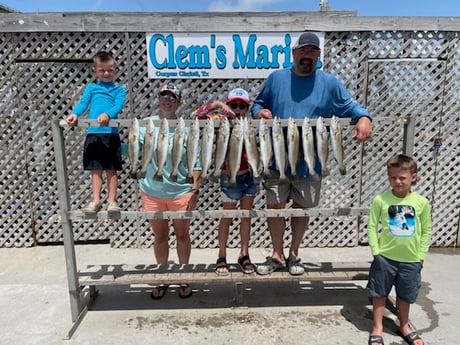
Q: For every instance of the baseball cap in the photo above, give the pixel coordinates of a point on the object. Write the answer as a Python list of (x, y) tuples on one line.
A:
[(171, 88), (307, 39), (238, 94)]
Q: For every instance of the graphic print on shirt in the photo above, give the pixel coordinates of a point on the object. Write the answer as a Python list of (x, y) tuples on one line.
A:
[(401, 220)]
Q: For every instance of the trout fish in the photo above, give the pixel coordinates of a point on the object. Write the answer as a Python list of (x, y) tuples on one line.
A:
[(337, 144), (192, 148), (162, 148), (235, 149), (221, 147), (148, 147), (207, 143), (308, 145), (178, 147), (279, 148), (293, 146), (265, 144), (250, 144), (133, 147), (322, 145)]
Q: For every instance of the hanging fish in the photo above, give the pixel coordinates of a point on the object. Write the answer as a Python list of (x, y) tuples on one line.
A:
[(308, 145), (322, 145), (221, 147), (207, 144), (148, 147), (162, 148), (192, 148), (178, 147), (337, 144), (133, 147), (250, 144), (265, 144), (293, 146), (235, 149), (279, 148)]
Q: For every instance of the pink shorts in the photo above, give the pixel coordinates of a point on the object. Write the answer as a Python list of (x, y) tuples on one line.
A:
[(150, 203)]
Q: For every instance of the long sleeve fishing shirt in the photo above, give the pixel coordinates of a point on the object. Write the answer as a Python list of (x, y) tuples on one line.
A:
[(101, 98)]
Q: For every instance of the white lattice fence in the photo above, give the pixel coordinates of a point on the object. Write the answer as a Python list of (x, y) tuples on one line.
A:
[(397, 74)]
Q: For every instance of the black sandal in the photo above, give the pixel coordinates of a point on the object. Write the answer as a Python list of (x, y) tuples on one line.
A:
[(246, 265), (160, 291), (185, 291), (221, 263)]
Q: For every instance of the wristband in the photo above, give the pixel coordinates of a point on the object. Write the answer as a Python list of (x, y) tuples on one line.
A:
[(195, 191)]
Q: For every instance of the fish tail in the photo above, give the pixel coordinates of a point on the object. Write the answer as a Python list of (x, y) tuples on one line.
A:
[(141, 174), (158, 177), (173, 177), (343, 170), (284, 178), (214, 177), (132, 174)]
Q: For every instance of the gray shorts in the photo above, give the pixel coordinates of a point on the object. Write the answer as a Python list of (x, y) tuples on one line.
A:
[(405, 276), (304, 192)]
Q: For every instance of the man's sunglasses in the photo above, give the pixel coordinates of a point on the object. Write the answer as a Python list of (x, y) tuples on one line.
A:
[(242, 106)]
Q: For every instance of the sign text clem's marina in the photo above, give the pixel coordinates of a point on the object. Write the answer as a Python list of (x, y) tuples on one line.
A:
[(219, 55)]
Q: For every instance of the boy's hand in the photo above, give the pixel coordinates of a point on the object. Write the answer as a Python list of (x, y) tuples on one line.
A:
[(72, 119), (103, 119)]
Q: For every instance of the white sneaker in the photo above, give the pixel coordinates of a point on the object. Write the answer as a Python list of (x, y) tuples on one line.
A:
[(113, 207), (92, 207)]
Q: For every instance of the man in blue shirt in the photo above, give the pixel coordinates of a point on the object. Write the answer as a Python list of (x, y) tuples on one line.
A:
[(299, 92)]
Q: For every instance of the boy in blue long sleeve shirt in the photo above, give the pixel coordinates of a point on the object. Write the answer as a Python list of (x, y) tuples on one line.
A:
[(102, 151)]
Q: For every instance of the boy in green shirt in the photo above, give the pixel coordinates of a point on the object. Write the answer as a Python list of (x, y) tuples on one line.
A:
[(401, 247)]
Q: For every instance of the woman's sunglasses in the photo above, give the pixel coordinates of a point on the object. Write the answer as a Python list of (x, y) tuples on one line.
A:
[(242, 106), (172, 99)]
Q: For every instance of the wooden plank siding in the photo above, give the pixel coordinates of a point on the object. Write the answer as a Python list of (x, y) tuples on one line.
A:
[(213, 21)]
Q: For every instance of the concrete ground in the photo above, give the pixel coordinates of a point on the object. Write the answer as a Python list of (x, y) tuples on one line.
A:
[(35, 309)]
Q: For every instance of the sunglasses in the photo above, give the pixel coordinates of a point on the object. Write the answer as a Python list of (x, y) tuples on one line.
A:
[(172, 99), (307, 51), (242, 106)]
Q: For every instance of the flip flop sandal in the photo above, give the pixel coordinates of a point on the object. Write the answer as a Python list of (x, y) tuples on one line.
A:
[(246, 265), (375, 339), (221, 264), (411, 338), (160, 291), (185, 291)]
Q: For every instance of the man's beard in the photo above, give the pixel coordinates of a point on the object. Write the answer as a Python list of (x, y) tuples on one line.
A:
[(305, 66)]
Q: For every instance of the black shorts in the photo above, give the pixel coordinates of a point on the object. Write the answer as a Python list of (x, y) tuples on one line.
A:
[(102, 152)]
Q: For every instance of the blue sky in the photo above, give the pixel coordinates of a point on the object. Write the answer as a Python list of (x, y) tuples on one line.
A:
[(364, 7)]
